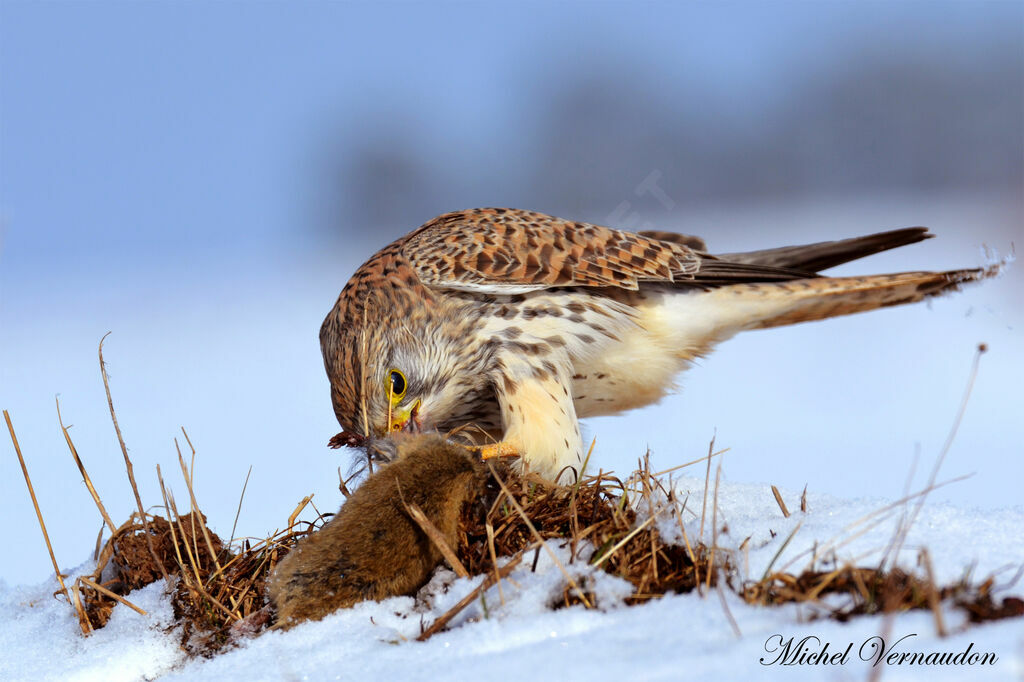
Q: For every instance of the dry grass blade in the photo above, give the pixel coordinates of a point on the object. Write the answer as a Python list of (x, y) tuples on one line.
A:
[(728, 613), (677, 467), (437, 537), (342, 486), (238, 512), (298, 510), (167, 510), (619, 545), (127, 460), (195, 505), (490, 580), (707, 483), (778, 500), (537, 536), (714, 524), (85, 475), (829, 579), (99, 588), (869, 521), (876, 670), (782, 549), (175, 518), (933, 594), (676, 509), (83, 616), (820, 551), (647, 485), (197, 569), (99, 544), (905, 527), (83, 621), (579, 479), (494, 558)]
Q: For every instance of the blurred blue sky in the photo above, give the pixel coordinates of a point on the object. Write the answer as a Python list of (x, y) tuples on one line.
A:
[(202, 179), (154, 131)]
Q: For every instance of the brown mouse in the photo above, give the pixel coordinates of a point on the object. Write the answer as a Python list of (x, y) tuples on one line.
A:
[(373, 549)]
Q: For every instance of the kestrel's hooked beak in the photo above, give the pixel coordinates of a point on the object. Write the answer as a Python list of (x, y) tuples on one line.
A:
[(406, 419)]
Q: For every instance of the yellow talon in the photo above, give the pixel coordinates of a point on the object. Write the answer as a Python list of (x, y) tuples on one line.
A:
[(503, 449)]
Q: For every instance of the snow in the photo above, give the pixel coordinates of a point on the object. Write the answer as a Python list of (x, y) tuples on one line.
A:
[(677, 636), (42, 641)]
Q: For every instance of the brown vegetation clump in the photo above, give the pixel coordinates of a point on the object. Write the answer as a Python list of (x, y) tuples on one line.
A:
[(597, 522), (222, 591), (127, 562), (873, 590), (212, 586)]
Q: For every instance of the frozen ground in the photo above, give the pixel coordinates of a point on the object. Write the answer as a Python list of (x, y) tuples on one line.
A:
[(685, 636)]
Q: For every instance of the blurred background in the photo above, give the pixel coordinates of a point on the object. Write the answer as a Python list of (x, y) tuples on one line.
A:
[(201, 179)]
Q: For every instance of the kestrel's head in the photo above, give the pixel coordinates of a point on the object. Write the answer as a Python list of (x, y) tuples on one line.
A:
[(389, 369), (384, 378)]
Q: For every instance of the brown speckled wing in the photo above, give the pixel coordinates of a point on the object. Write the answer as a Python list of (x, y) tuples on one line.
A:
[(506, 249), (499, 250)]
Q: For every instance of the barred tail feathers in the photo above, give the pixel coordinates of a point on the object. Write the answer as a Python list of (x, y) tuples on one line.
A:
[(832, 297), (699, 320)]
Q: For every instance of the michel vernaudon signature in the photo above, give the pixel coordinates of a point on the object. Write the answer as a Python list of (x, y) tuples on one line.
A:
[(811, 650)]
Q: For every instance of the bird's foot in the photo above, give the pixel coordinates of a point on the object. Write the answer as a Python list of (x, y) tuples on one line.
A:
[(505, 448)]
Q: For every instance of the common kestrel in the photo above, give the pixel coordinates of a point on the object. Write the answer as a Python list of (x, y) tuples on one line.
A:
[(517, 324)]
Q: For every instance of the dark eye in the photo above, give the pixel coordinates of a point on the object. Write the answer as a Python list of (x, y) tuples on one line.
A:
[(398, 385)]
